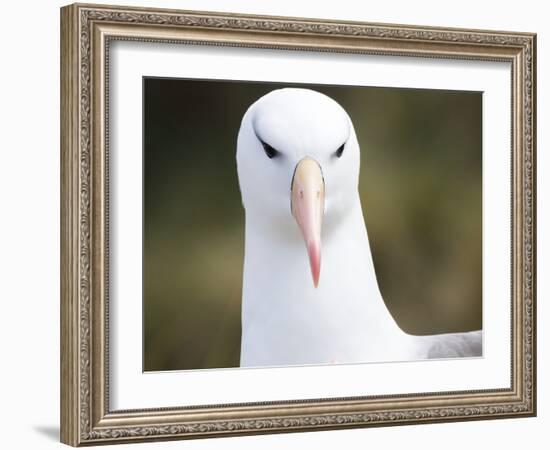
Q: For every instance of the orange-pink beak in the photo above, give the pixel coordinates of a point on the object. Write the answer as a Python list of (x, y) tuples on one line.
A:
[(307, 206)]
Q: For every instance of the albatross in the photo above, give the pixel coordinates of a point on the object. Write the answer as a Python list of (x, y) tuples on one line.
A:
[(310, 292)]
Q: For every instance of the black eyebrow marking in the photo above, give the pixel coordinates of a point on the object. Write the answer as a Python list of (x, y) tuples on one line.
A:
[(340, 150), (269, 150)]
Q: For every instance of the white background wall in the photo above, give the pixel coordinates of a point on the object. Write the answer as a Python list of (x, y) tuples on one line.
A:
[(29, 222)]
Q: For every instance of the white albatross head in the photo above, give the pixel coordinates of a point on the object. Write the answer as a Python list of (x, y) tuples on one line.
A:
[(298, 165)]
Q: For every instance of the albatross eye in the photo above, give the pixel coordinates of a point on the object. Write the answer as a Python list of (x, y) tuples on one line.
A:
[(269, 150), (340, 150)]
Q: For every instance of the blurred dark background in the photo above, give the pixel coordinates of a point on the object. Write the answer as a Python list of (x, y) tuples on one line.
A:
[(420, 188)]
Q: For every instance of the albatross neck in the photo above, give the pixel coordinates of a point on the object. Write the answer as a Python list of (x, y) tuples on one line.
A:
[(277, 284)]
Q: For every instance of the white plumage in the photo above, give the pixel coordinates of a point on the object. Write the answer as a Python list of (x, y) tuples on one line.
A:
[(298, 167)]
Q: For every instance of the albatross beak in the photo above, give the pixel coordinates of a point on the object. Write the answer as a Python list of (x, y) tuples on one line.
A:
[(307, 205)]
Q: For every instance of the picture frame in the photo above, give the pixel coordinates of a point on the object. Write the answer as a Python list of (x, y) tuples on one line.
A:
[(87, 34)]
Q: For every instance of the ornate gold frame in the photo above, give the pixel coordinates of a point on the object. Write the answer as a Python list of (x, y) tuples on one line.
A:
[(86, 31)]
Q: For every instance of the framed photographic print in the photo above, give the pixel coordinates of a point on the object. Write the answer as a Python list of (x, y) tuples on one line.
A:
[(280, 224)]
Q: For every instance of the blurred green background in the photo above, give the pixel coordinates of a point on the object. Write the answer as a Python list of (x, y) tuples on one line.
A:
[(420, 188)]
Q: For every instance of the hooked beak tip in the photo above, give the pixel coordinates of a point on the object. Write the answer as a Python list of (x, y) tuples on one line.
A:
[(314, 252)]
